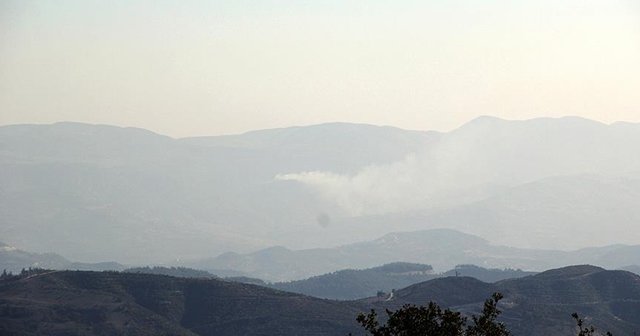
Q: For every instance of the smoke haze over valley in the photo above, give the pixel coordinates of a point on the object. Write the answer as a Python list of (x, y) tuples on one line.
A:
[(321, 168), (96, 193)]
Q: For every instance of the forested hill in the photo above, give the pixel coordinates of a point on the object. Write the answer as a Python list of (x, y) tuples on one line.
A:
[(110, 303)]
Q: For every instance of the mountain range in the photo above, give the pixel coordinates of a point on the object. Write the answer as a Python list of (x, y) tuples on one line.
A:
[(443, 249), (354, 271), (94, 192)]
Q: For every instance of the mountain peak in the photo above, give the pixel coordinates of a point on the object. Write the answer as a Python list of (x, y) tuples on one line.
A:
[(435, 235), (485, 120)]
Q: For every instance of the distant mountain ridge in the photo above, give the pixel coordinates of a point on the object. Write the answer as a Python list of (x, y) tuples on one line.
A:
[(441, 248), (127, 182), (13, 260), (178, 272), (562, 183), (358, 284)]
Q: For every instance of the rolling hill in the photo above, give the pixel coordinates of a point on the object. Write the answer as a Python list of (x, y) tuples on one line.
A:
[(541, 304), (92, 303), (107, 303), (354, 284)]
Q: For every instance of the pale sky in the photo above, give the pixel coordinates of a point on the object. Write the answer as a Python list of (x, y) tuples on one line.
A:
[(186, 68)]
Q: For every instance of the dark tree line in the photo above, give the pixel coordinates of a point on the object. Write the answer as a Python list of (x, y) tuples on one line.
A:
[(25, 272)]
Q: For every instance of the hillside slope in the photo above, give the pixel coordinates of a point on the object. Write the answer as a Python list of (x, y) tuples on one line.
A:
[(542, 304), (107, 303), (356, 284), (88, 303)]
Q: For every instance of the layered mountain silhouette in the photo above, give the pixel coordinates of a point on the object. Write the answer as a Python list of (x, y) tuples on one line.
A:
[(443, 249), (64, 185), (357, 284), (95, 192)]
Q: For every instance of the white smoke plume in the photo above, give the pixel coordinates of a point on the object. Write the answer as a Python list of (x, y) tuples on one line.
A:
[(374, 189)]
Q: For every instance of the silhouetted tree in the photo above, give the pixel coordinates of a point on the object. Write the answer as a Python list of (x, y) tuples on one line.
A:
[(432, 320), (585, 331), (487, 324), (411, 320)]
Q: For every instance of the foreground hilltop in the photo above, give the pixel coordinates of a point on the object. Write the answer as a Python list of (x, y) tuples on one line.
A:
[(542, 304), (90, 303), (109, 303)]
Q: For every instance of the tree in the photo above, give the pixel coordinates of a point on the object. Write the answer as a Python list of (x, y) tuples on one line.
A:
[(432, 320), (585, 331), (411, 320), (487, 324)]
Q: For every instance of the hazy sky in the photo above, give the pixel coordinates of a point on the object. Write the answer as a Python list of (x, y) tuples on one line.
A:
[(212, 67)]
